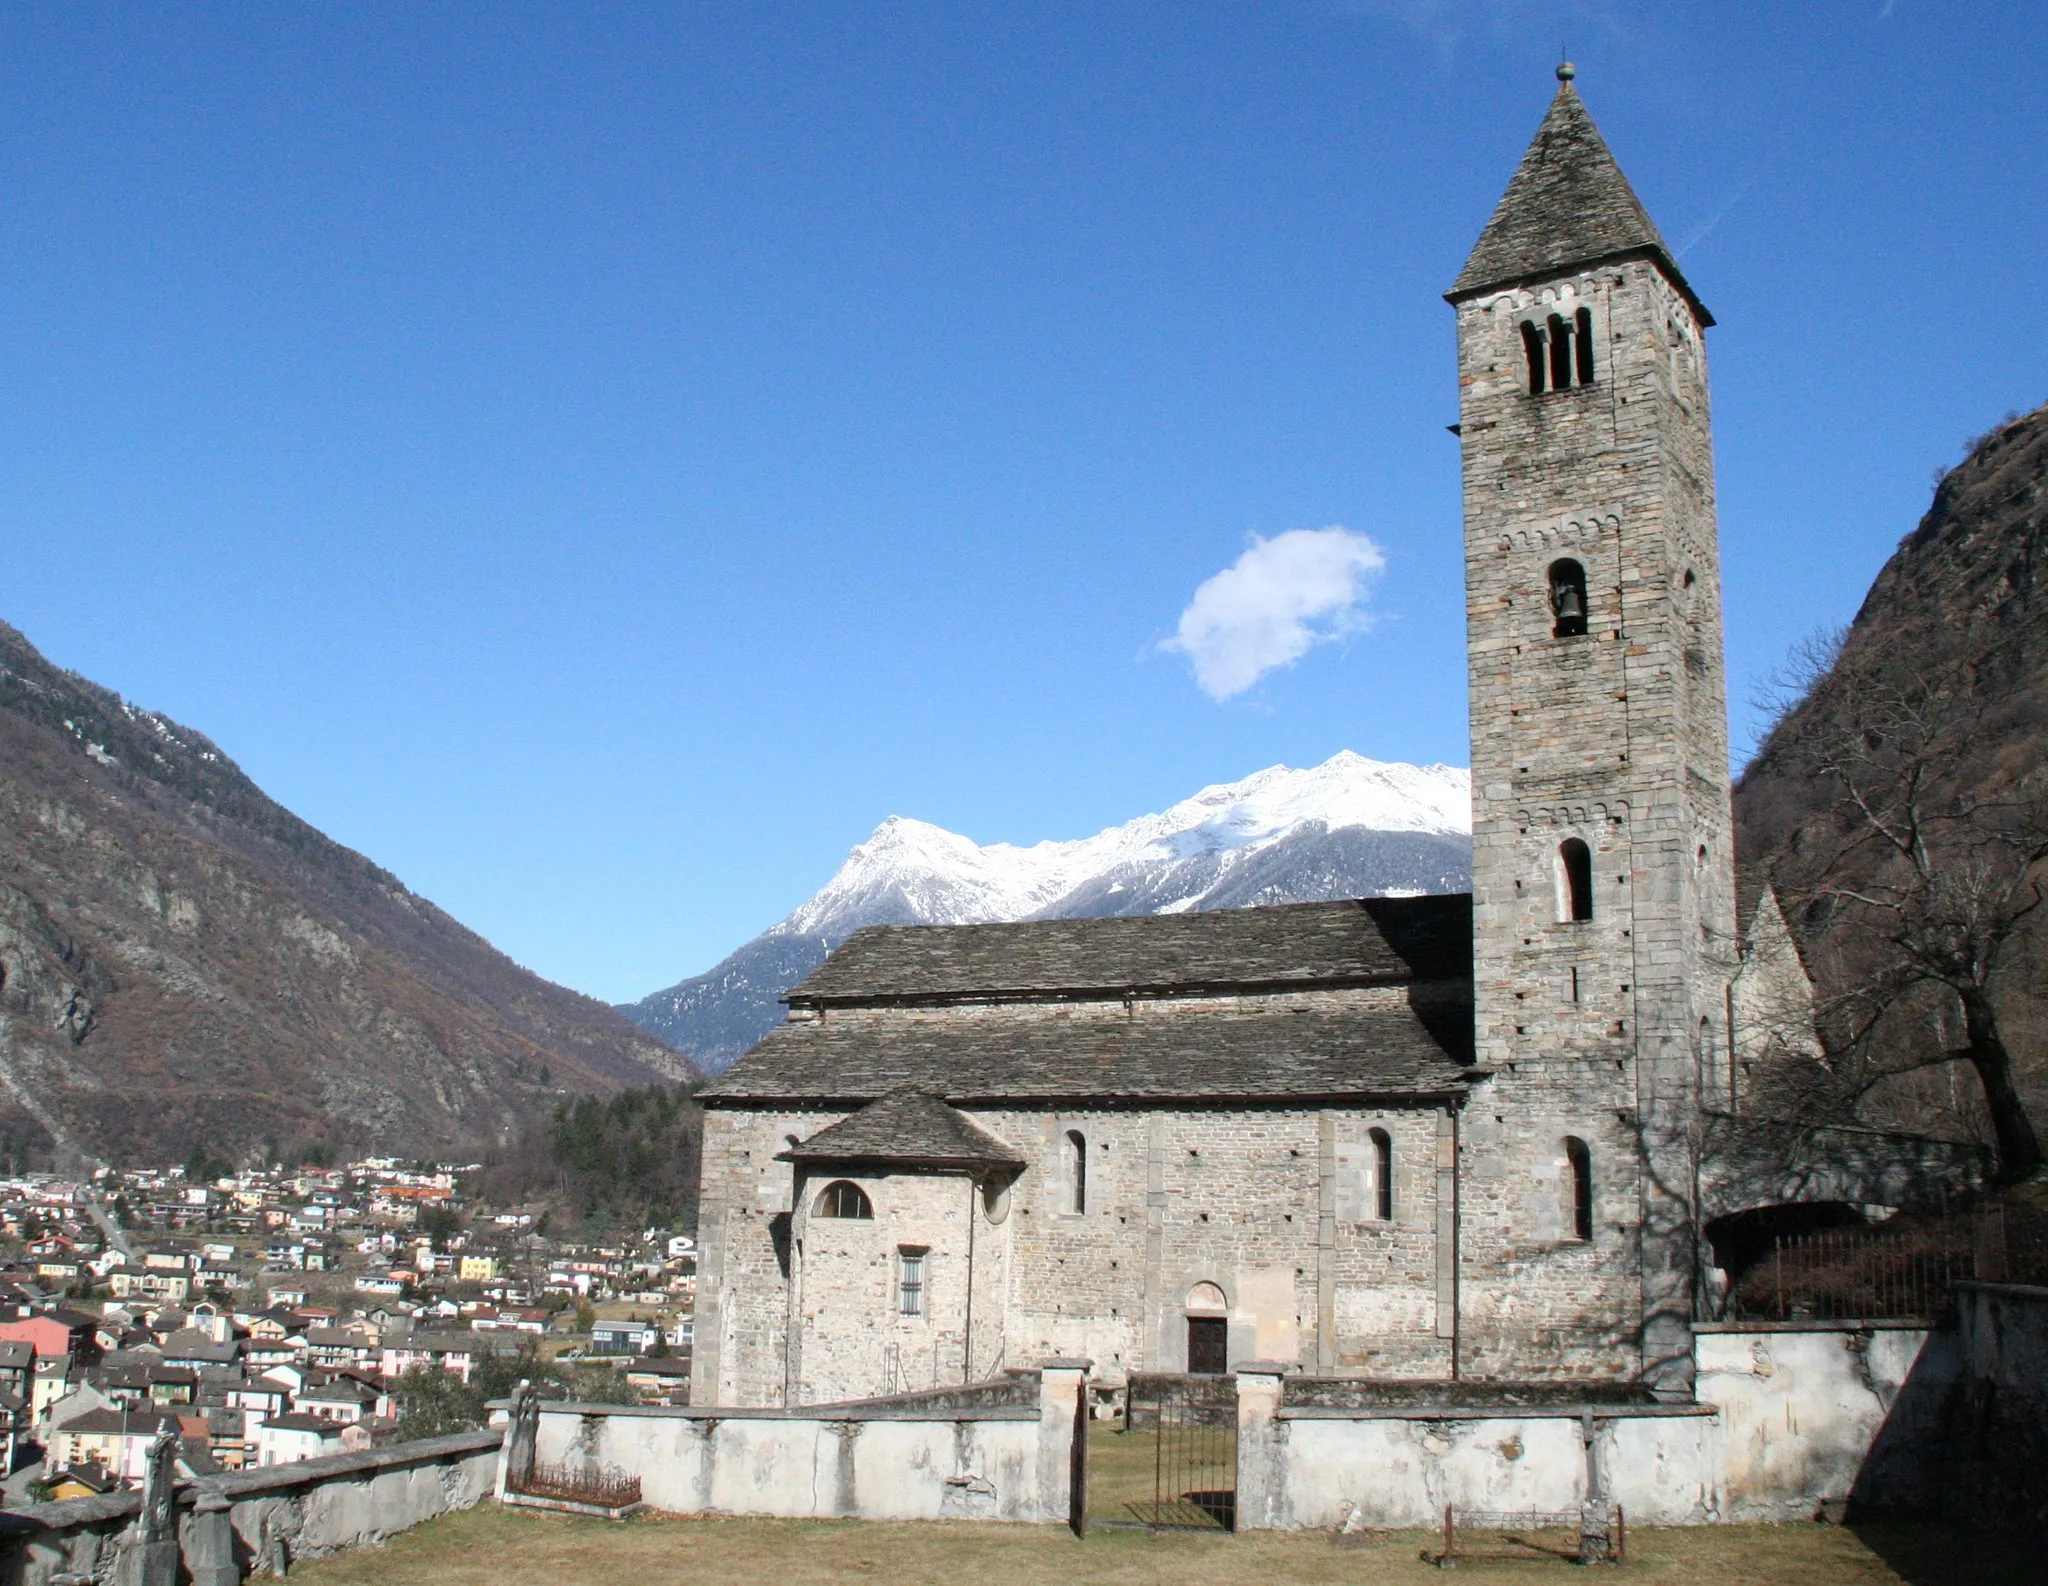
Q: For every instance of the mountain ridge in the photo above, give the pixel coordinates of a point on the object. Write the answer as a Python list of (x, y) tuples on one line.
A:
[(185, 962), (1349, 827)]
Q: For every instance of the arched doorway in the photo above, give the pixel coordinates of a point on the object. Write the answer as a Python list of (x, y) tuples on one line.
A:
[(1208, 1318)]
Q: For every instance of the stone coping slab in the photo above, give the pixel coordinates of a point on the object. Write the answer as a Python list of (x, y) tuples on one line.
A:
[(857, 1410), (1823, 1324), (2017, 1291), (587, 1511), (1490, 1412)]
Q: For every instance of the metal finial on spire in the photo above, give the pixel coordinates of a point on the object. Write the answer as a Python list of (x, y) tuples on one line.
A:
[(1566, 71)]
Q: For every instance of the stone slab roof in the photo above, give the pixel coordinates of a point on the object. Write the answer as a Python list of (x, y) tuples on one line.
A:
[(127, 1423), (1396, 940), (907, 1126), (1568, 205), (1396, 1052)]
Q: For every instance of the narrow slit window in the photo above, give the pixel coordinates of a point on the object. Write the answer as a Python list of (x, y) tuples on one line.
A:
[(1579, 1161), (1582, 345), (1575, 880), (1383, 1175), (1568, 599), (1077, 1170), (910, 1282), (1560, 353), (1532, 348)]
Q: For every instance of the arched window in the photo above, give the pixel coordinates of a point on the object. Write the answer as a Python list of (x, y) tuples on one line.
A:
[(1574, 880), (1567, 599), (1383, 1175), (1580, 1162), (841, 1199), (1559, 351), (1077, 1170)]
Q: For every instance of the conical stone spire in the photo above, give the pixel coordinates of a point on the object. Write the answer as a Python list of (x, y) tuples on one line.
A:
[(1568, 206)]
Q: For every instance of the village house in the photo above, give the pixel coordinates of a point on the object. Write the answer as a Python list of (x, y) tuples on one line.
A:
[(623, 1338), (520, 1320), (80, 1481), (255, 1402), (115, 1440), (335, 1347), (150, 1282), (54, 1333), (342, 1400), (456, 1353), (660, 1379), (17, 1367), (288, 1439)]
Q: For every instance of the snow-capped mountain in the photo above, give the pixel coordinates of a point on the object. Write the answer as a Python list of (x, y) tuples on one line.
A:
[(1350, 827)]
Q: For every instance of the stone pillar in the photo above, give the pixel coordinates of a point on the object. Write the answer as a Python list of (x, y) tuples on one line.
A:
[(1326, 1244), (210, 1542), (1447, 1231), (1151, 1353), (1063, 1422), (1593, 1517), (704, 1436), (845, 1468), (1261, 1447), (522, 1433), (139, 1563), (706, 1345), (148, 1554)]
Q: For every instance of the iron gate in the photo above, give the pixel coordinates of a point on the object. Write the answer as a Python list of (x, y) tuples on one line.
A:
[(1191, 1422)]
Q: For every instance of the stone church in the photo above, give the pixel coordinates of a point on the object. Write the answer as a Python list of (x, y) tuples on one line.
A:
[(1420, 1138)]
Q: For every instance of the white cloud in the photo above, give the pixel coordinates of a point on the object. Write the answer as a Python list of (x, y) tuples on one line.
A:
[(1273, 604)]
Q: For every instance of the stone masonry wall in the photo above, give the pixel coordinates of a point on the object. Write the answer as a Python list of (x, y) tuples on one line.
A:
[(852, 1336), (1594, 1029), (906, 1459), (739, 1352), (1276, 1206), (259, 1520)]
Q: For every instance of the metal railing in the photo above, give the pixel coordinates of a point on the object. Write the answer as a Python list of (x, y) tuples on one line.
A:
[(1595, 1535), (1886, 1273), (605, 1489)]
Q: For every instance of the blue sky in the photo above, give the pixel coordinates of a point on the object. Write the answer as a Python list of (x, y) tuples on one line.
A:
[(599, 460)]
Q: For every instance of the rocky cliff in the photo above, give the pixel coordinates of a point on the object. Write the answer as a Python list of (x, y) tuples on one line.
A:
[(183, 962), (1963, 601)]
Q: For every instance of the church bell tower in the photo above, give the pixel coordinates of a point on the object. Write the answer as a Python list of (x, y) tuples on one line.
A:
[(1602, 865)]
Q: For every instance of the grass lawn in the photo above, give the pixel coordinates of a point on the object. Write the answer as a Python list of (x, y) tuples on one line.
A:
[(487, 1546)]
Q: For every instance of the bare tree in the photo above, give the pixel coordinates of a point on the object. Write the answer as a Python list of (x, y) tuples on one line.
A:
[(1915, 886)]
